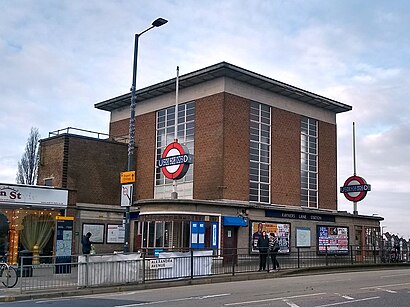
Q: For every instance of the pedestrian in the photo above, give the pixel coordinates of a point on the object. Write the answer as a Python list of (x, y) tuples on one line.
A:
[(273, 251), (85, 241), (263, 246)]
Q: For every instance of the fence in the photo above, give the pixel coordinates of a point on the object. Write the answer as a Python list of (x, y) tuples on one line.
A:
[(81, 271)]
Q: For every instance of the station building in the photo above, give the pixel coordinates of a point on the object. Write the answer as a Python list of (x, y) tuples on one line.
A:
[(264, 156)]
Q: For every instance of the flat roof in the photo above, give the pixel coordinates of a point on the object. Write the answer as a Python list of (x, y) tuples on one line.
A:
[(225, 69)]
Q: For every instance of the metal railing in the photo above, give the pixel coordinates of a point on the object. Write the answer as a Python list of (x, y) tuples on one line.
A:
[(80, 271), (89, 133)]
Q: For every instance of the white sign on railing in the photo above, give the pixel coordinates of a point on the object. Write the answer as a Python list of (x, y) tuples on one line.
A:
[(161, 263)]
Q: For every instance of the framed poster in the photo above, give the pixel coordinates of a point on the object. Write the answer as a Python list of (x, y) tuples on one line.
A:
[(303, 237), (97, 232), (333, 239), (281, 230), (115, 234)]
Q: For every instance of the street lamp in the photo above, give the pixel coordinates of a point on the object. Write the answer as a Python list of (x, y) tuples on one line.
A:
[(131, 142)]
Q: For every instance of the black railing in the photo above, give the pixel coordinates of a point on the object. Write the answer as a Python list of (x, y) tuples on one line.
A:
[(152, 265)]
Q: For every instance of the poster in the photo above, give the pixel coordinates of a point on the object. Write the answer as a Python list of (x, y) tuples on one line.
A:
[(97, 232), (115, 234), (303, 237), (281, 230), (333, 239)]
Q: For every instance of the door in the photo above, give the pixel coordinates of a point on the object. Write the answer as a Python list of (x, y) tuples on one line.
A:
[(230, 244)]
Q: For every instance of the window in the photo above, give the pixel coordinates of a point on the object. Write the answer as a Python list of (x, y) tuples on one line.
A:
[(309, 163), (259, 152), (166, 135), (171, 234)]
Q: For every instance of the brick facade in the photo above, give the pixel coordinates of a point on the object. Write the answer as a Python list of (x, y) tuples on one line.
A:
[(222, 153), (209, 137), (327, 166), (285, 158), (236, 148), (86, 165)]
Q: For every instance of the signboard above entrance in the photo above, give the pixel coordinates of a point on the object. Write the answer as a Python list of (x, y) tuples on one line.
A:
[(38, 196)]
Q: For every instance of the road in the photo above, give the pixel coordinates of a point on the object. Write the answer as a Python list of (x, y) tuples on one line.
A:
[(365, 288)]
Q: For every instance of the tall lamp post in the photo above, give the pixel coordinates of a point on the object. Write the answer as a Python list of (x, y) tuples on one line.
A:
[(131, 142)]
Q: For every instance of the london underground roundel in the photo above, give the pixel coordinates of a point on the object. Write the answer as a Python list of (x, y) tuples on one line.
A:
[(175, 161), (355, 188)]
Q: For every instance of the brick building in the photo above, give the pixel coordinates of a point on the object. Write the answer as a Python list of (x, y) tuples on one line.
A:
[(88, 167), (264, 152)]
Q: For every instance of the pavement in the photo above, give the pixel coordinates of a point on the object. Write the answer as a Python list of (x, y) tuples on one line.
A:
[(14, 294)]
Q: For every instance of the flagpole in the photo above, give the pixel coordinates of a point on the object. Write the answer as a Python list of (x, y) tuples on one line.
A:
[(355, 212), (174, 194)]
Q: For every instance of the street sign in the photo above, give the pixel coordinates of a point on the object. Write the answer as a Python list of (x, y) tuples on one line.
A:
[(127, 177), (126, 195)]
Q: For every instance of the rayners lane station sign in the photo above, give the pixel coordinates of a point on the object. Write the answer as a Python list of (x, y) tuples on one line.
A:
[(355, 188)]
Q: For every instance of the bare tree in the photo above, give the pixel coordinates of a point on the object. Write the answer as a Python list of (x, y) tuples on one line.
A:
[(27, 167)]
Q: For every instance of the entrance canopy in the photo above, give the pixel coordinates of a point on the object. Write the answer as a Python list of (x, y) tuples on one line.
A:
[(235, 221), (15, 195)]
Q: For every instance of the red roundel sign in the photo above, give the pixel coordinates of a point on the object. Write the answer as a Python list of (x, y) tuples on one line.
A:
[(175, 161), (355, 188)]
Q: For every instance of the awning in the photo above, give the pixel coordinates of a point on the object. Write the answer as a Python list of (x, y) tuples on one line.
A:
[(235, 221)]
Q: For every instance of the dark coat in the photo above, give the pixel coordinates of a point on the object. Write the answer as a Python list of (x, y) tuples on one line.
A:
[(86, 244), (263, 244)]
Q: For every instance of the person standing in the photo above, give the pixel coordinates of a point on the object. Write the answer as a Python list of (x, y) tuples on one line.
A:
[(85, 241), (273, 250), (263, 246)]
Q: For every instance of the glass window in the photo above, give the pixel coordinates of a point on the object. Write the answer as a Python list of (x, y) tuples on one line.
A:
[(166, 135), (260, 150), (308, 162)]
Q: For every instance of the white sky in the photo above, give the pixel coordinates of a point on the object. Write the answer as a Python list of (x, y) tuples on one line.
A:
[(59, 58)]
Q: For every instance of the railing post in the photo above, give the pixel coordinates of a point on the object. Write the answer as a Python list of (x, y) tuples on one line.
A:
[(86, 270), (143, 267), (374, 253), (327, 260), (351, 254), (233, 263), (21, 275), (267, 260), (192, 263), (298, 258)]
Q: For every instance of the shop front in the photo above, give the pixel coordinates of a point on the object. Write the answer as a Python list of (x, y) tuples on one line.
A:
[(27, 219)]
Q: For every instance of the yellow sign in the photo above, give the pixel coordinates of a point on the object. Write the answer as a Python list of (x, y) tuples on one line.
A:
[(126, 177), (65, 218)]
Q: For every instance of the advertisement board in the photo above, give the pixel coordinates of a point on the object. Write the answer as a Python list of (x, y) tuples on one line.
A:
[(334, 239), (281, 230)]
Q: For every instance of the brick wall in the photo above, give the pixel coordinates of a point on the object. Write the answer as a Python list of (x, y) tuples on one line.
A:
[(327, 166), (92, 169), (285, 164), (236, 148), (51, 161), (222, 153), (145, 141), (120, 128), (208, 159)]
